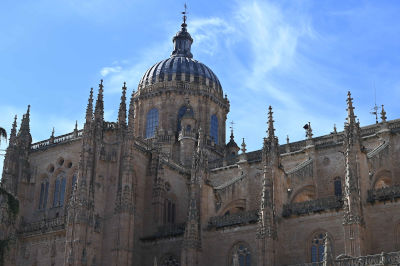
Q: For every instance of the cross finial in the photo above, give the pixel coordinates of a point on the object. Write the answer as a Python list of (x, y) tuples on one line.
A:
[(184, 13), (231, 127)]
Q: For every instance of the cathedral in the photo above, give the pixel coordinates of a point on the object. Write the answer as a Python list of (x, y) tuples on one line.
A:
[(162, 186)]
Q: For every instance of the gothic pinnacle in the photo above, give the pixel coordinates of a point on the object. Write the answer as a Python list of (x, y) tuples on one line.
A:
[(271, 129), (383, 114), (13, 133), (351, 118), (99, 109), (25, 122), (243, 146), (122, 108), (131, 114), (89, 108), (308, 129)]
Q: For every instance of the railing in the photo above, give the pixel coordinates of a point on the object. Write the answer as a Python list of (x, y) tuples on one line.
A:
[(43, 226), (391, 193), (312, 206), (56, 140), (240, 218), (166, 231)]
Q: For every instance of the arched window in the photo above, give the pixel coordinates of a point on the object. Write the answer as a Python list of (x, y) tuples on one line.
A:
[(338, 187), (181, 113), (152, 122), (240, 255), (214, 128), (317, 247), (59, 192), (169, 212), (44, 191)]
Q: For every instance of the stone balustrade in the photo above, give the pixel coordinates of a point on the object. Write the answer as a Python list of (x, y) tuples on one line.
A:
[(57, 140), (392, 258), (240, 218), (42, 226), (166, 231), (391, 193), (312, 206)]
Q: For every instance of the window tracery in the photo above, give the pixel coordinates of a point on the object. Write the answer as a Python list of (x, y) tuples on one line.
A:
[(240, 255), (151, 123), (317, 247), (59, 191), (169, 211), (170, 260)]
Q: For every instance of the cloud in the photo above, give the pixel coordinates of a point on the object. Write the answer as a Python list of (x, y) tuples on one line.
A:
[(107, 70)]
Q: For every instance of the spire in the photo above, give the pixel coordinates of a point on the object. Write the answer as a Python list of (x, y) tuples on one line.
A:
[(99, 109), (131, 114), (76, 129), (334, 129), (25, 123), (182, 40), (383, 114), (351, 118), (13, 133), (271, 129), (122, 108), (89, 108), (287, 139)]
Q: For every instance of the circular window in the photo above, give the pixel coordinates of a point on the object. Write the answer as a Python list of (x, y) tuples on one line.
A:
[(60, 161), (69, 165), (51, 168)]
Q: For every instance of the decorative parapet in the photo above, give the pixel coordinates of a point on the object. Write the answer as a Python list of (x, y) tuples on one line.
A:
[(166, 231), (392, 258), (43, 226), (236, 219), (56, 140), (312, 206), (391, 193)]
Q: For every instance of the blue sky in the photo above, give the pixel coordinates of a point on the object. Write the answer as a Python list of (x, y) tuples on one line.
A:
[(301, 57)]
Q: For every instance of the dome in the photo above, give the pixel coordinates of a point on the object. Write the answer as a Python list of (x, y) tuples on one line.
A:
[(181, 66), (184, 68)]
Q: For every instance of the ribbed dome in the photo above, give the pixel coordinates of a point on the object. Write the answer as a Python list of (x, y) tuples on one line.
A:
[(184, 68), (181, 66)]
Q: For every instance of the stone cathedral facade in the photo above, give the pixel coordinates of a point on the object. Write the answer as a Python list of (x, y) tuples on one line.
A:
[(162, 186)]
